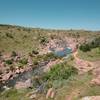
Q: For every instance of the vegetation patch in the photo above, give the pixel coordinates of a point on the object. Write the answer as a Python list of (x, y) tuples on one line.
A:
[(60, 72), (90, 45), (92, 55)]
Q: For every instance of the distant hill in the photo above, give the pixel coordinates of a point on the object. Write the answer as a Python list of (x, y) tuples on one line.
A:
[(23, 39)]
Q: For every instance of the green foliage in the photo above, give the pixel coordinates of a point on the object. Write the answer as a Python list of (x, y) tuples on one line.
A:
[(9, 35), (90, 45), (45, 57), (35, 52), (12, 68), (14, 54), (22, 40), (92, 55), (49, 56), (60, 72), (9, 62), (13, 94), (85, 47), (43, 40), (23, 61)]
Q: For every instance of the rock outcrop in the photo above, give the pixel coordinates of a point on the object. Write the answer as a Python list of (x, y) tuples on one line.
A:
[(50, 93), (26, 84)]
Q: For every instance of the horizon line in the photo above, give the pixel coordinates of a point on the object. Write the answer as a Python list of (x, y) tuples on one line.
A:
[(37, 27)]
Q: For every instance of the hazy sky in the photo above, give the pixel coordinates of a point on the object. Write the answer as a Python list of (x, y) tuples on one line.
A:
[(75, 14)]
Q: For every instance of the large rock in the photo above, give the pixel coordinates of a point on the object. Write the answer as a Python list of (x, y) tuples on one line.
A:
[(50, 93), (95, 81), (17, 71), (25, 84), (33, 96), (7, 76)]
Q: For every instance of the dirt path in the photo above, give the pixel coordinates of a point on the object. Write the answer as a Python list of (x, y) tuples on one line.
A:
[(73, 94), (82, 65)]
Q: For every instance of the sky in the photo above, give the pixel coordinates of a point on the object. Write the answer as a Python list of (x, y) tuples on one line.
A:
[(54, 14)]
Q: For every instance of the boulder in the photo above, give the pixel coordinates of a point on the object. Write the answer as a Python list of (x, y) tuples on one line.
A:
[(50, 93), (17, 71), (95, 81), (33, 96), (7, 76), (21, 70), (24, 84), (6, 88)]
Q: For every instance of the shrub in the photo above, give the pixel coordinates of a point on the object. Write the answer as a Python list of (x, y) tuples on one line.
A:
[(49, 56), (9, 35), (14, 54), (12, 68), (23, 61), (35, 52), (85, 47), (9, 62), (35, 62), (45, 57), (60, 72), (10, 93), (90, 45), (43, 40)]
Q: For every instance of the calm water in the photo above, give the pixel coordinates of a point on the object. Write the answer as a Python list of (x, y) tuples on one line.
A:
[(37, 71), (64, 52)]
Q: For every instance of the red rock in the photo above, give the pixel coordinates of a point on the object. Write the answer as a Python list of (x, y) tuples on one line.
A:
[(95, 81), (17, 71), (7, 76), (50, 93), (21, 70), (26, 84)]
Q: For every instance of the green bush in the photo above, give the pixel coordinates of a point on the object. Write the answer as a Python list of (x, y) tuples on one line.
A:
[(9, 62), (23, 61), (45, 57), (10, 92), (90, 45), (35, 52), (85, 47), (9, 35), (43, 40), (60, 72), (14, 54)]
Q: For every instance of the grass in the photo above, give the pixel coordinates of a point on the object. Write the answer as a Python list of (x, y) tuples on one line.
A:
[(60, 72), (24, 40), (92, 55), (14, 94), (77, 86), (80, 86), (44, 57)]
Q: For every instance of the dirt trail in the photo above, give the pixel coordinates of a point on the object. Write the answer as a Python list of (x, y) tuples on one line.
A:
[(73, 94), (82, 65)]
